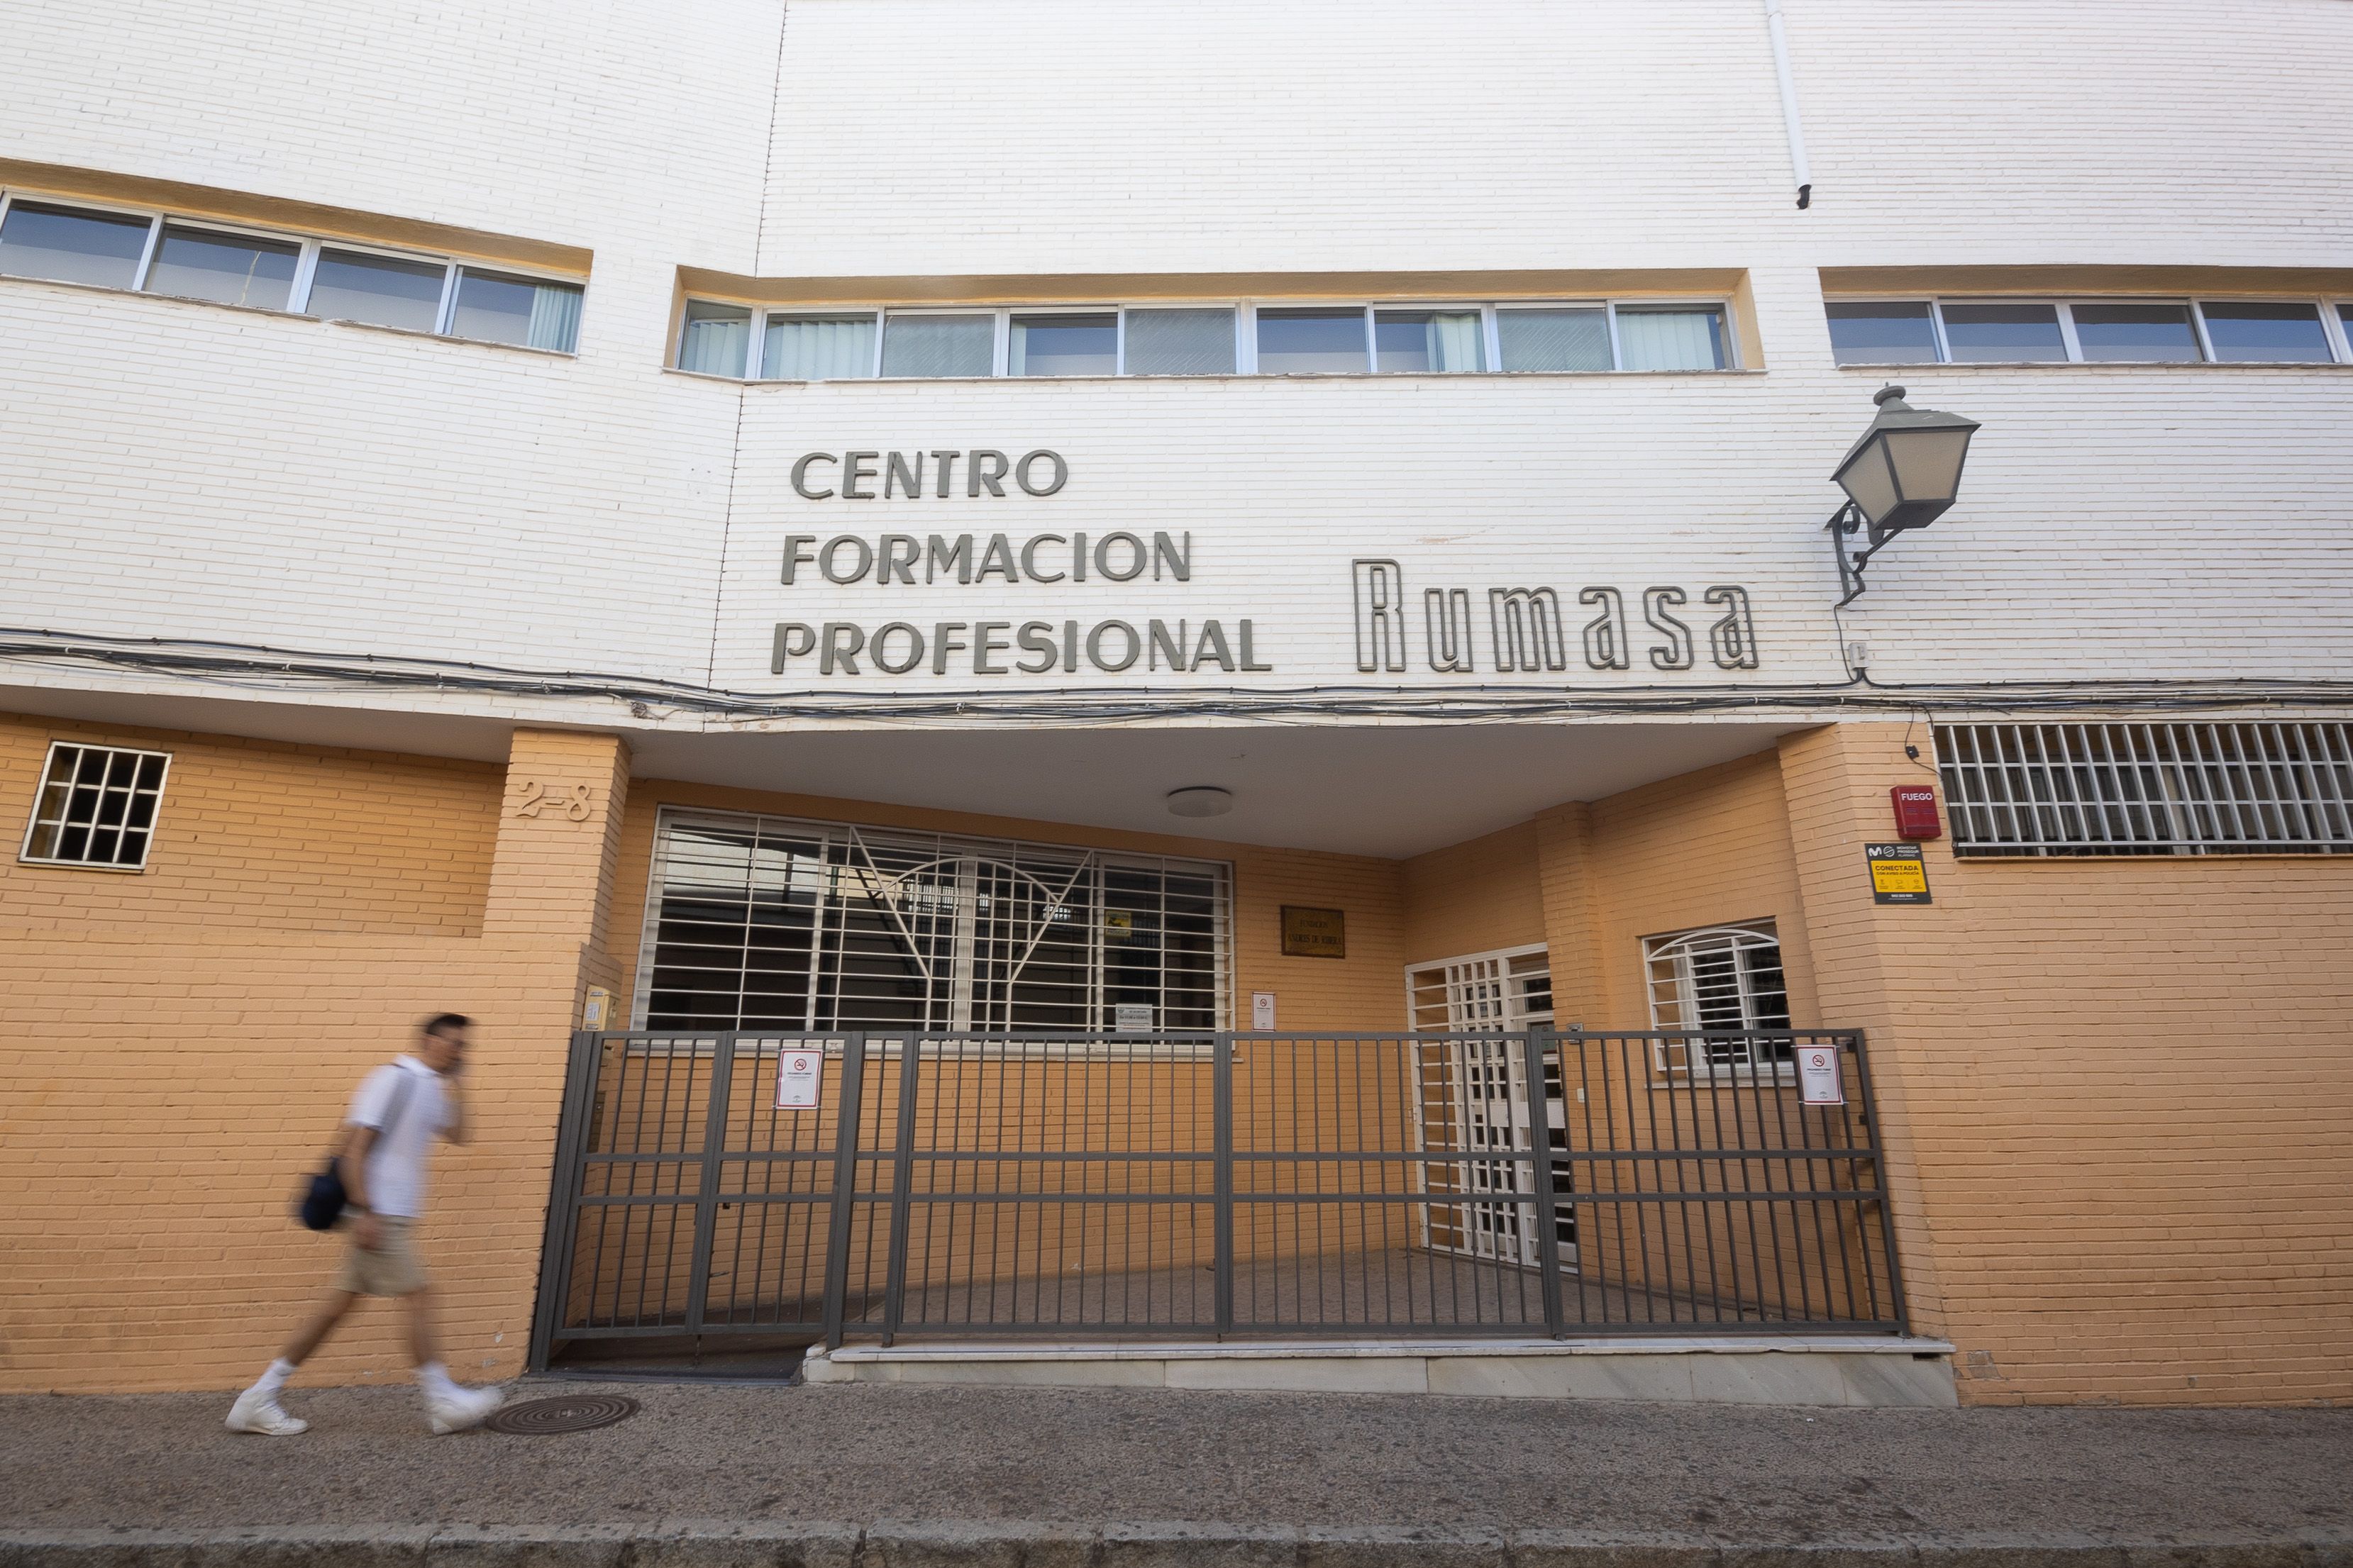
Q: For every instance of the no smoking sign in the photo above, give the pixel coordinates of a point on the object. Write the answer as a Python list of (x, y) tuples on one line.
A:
[(796, 1079)]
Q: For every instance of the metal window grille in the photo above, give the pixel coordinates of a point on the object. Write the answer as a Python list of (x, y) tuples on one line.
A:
[(1471, 1092), (2148, 789), (96, 808), (1725, 982), (759, 922)]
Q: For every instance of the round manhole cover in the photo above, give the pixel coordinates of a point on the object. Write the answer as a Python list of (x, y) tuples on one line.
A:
[(571, 1413)]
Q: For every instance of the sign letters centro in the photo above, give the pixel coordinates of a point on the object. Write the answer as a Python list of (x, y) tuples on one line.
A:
[(1441, 627)]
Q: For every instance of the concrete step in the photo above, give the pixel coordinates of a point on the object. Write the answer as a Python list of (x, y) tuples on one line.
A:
[(1884, 1372)]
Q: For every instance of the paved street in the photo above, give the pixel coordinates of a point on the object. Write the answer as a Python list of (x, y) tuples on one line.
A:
[(863, 1454)]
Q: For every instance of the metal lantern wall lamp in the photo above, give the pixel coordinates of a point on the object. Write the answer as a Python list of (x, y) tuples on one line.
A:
[(1902, 475)]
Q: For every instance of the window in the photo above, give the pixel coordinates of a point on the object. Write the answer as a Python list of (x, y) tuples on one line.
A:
[(225, 268), (1670, 337), (939, 345), (1554, 339), (96, 808), (1428, 340), (1292, 342), (1180, 342), (2003, 333), (1898, 332), (379, 291), (818, 348), (2153, 333), (2148, 789), (715, 339), (1063, 345), (2139, 331), (2282, 334), (786, 344), (1725, 981), (157, 254), (71, 247), (493, 308), (762, 922)]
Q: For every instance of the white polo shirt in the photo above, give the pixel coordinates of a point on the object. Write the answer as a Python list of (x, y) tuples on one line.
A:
[(395, 1162)]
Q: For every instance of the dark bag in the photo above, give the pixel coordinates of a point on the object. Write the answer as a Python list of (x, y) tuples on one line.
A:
[(320, 1203)]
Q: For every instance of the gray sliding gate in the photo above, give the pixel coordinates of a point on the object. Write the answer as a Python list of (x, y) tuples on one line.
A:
[(1337, 1184)]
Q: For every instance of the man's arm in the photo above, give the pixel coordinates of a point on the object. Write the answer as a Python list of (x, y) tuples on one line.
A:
[(454, 1129), (352, 1163)]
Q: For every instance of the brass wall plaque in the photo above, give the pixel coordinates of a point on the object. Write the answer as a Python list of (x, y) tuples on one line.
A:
[(1315, 934)]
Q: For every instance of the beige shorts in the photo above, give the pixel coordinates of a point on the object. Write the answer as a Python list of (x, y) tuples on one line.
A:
[(392, 1270)]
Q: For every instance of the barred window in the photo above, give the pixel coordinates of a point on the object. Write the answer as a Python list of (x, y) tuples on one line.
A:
[(2148, 789), (1725, 980), (96, 808), (770, 922)]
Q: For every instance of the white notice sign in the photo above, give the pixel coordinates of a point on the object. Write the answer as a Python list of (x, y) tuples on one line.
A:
[(796, 1079), (1261, 1009), (1818, 1076), (1132, 1017)]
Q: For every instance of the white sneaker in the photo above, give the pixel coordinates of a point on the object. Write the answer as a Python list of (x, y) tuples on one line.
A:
[(460, 1408), (258, 1412)]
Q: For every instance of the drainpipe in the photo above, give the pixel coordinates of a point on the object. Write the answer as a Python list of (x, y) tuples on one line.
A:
[(1789, 103)]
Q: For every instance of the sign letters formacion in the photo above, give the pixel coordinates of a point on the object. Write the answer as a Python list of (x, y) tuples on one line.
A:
[(1453, 630)]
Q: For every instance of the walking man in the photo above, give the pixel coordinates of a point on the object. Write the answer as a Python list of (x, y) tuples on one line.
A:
[(386, 1143)]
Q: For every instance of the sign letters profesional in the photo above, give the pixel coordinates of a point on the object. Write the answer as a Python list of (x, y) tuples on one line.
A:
[(1514, 628)]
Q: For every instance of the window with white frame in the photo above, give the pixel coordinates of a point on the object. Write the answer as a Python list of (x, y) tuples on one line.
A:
[(225, 264), (762, 922), (2218, 788), (2087, 331), (776, 344), (1724, 980), (95, 807)]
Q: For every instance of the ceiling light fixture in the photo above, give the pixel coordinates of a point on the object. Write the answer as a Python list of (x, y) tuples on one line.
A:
[(1200, 800)]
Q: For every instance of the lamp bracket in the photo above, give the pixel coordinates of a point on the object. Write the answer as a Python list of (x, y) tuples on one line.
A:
[(1843, 525)]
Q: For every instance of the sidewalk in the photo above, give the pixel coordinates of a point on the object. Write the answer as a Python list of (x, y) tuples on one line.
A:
[(1028, 1478)]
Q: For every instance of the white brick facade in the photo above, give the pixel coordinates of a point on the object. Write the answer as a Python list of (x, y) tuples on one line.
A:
[(186, 471)]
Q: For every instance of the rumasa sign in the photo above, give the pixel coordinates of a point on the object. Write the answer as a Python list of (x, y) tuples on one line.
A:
[(1526, 629)]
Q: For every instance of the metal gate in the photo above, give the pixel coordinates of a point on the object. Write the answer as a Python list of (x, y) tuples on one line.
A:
[(1326, 1184)]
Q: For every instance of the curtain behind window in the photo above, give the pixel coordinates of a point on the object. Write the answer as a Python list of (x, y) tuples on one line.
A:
[(1671, 339)]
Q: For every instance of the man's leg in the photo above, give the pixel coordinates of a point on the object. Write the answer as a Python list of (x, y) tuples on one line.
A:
[(256, 1409), (450, 1407), (310, 1335), (424, 1346)]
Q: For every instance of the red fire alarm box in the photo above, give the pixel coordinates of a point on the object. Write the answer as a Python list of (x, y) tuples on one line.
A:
[(1916, 812)]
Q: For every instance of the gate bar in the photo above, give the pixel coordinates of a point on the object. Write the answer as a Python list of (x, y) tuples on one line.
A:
[(844, 1183), (564, 1194), (1221, 1081), (715, 1147), (902, 1168), (1540, 1170)]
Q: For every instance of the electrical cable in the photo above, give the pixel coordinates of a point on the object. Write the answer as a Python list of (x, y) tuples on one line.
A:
[(253, 666)]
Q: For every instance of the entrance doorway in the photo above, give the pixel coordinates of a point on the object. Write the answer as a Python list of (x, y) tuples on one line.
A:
[(1473, 1094)]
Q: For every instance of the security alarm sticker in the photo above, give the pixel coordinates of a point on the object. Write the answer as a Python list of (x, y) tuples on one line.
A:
[(796, 1079), (1898, 876), (1818, 1076)]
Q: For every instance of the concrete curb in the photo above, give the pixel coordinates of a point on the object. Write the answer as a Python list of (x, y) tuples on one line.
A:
[(887, 1543)]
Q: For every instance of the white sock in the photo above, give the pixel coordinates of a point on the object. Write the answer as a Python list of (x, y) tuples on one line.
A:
[(434, 1378), (274, 1379)]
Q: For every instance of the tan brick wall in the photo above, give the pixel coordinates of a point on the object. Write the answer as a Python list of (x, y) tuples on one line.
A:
[(1364, 989), (2118, 1091), (1475, 896), (261, 835), (179, 1047)]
